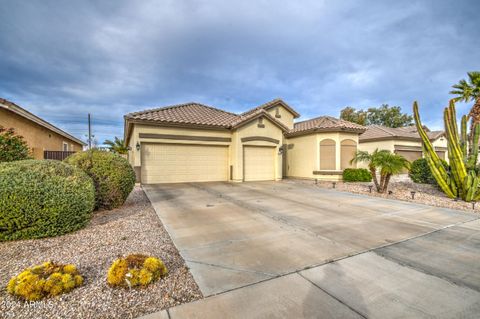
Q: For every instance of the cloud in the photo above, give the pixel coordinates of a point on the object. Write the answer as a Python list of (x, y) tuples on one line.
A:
[(62, 60)]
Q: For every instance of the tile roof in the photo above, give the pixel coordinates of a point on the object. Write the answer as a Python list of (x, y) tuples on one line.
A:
[(271, 104), (378, 132), (187, 113), (245, 117), (325, 123)]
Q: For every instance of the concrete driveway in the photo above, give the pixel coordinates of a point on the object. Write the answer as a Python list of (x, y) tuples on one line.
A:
[(286, 249)]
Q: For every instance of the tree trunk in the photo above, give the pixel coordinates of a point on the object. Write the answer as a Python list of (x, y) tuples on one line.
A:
[(475, 115), (385, 183), (373, 171), (382, 183)]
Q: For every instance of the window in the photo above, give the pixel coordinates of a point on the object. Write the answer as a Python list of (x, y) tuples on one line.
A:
[(65, 147), (327, 155), (348, 148)]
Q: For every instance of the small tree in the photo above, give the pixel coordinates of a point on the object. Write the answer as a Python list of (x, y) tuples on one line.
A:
[(12, 146), (389, 116), (385, 162), (116, 146)]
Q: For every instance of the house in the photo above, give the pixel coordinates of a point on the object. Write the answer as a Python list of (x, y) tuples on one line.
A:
[(402, 140), (40, 135), (194, 142)]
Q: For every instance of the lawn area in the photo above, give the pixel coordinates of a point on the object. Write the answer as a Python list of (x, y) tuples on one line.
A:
[(132, 228)]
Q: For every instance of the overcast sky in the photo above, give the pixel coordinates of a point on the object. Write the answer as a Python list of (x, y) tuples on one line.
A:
[(64, 59)]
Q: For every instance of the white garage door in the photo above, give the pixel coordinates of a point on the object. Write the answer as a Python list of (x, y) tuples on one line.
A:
[(259, 163), (176, 163)]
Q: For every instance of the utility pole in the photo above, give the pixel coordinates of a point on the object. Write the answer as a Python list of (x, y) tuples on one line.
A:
[(89, 133)]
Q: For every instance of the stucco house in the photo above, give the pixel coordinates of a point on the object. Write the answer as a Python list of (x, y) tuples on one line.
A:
[(194, 142), (403, 140), (40, 135)]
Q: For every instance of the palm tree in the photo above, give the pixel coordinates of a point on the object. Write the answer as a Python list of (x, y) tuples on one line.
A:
[(384, 161), (469, 91), (116, 146)]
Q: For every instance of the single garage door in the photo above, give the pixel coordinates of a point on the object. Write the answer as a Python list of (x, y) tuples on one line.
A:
[(259, 163), (410, 156), (176, 163)]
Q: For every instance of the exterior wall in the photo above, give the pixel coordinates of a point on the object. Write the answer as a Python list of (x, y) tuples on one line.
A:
[(285, 116), (251, 129), (235, 146), (39, 138), (303, 155), (134, 156)]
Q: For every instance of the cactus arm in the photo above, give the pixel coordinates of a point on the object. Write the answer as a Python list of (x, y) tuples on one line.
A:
[(441, 181), (455, 153), (463, 136), (427, 145), (473, 157), (453, 113)]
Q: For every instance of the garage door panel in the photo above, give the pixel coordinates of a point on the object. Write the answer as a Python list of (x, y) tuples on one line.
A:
[(175, 163), (259, 163)]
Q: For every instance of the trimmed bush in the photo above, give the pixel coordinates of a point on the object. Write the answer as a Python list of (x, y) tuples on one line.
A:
[(420, 172), (356, 175), (40, 198), (45, 280), (112, 175), (135, 271)]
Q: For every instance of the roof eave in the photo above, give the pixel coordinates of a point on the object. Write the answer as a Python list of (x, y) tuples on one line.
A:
[(325, 130)]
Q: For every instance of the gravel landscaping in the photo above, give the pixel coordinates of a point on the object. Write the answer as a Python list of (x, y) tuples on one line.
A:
[(132, 228), (400, 190)]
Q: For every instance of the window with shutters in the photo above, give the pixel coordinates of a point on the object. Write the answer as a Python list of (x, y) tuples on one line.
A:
[(348, 148), (327, 154)]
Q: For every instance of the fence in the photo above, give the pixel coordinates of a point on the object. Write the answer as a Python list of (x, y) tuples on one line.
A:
[(57, 155)]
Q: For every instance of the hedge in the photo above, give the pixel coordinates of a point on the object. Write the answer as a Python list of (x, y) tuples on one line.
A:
[(113, 176), (356, 175), (420, 172), (40, 198)]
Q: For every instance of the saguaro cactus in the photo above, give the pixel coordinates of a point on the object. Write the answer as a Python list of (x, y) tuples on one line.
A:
[(462, 181)]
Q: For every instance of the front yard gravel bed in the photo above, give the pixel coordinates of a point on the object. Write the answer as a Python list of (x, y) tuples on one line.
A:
[(132, 228), (401, 190)]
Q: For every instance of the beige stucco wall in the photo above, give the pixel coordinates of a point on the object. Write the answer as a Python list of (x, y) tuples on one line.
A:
[(235, 146), (38, 138), (251, 129), (285, 118), (303, 154), (389, 145)]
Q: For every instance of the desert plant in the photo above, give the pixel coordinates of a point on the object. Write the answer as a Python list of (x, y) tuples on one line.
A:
[(116, 146), (45, 280), (420, 171), (41, 198), (468, 91), (112, 175), (135, 271), (462, 180), (12, 146), (385, 162), (356, 175)]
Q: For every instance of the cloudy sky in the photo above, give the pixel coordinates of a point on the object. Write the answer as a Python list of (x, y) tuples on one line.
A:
[(64, 59)]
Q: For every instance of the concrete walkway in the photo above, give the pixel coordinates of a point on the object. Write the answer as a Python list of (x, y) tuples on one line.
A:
[(293, 250)]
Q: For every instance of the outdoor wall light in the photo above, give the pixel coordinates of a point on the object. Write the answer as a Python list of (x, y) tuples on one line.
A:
[(413, 194), (137, 146)]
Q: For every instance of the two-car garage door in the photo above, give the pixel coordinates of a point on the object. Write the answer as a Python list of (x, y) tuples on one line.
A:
[(176, 163)]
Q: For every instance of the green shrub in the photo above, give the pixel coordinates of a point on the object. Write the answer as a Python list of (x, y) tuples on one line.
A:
[(420, 172), (12, 146), (112, 175), (356, 175), (45, 280), (41, 198)]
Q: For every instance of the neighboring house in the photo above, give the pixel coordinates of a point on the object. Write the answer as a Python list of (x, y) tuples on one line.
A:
[(39, 134), (403, 140), (194, 142)]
